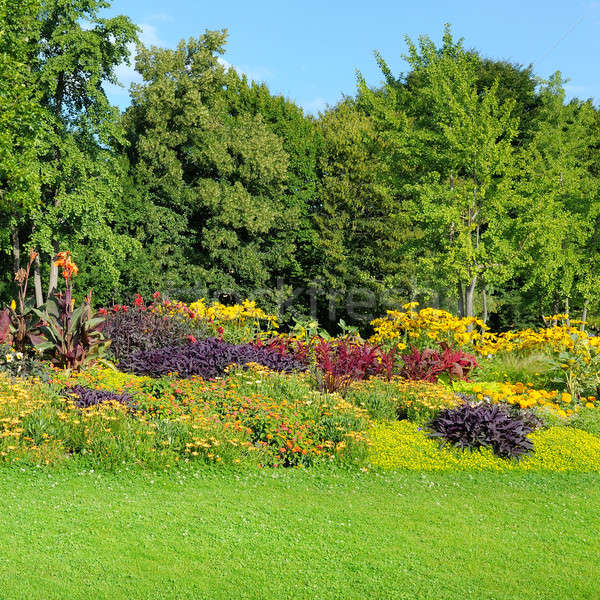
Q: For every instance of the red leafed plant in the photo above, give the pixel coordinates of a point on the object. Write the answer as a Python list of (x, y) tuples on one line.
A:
[(343, 361), (284, 346), (429, 365)]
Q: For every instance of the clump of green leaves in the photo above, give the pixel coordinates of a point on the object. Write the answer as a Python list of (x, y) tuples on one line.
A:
[(19, 325), (73, 336)]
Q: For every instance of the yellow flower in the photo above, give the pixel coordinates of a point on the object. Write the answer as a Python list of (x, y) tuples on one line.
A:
[(13, 304)]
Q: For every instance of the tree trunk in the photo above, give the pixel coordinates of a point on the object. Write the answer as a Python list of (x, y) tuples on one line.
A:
[(584, 315), (567, 310), (16, 248), (461, 299), (37, 282), (53, 280), (555, 309), (484, 301), (469, 296)]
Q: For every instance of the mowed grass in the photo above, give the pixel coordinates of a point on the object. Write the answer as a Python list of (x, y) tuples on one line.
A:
[(293, 534)]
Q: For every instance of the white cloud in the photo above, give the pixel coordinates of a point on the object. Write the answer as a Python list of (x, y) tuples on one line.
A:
[(126, 73), (252, 73), (315, 106), (149, 36)]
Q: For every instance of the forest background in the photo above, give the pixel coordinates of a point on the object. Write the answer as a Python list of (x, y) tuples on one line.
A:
[(466, 183)]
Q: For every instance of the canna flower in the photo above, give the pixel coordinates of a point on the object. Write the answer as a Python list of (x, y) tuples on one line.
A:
[(70, 269)]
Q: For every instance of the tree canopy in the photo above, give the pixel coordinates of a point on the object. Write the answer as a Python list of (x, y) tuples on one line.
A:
[(467, 183)]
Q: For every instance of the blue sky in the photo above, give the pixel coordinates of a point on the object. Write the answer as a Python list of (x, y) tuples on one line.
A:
[(309, 50)]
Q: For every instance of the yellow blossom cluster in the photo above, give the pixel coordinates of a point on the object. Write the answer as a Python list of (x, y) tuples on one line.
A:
[(246, 311), (431, 324), (428, 324), (525, 396), (217, 312)]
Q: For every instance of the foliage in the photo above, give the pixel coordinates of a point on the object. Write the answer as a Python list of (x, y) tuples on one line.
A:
[(357, 203), (404, 445), (140, 328), (449, 184), (65, 130), (473, 426), (587, 418), (19, 324), (207, 358), (342, 361), (578, 369), (84, 397), (385, 400), (286, 345), (17, 364), (430, 365), (72, 335), (532, 367), (224, 171)]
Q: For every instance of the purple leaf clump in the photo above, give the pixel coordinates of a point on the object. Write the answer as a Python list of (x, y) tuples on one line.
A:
[(207, 358), (84, 397), (473, 426)]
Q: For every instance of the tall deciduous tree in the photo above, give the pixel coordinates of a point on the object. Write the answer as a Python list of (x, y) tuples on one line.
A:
[(559, 216), (22, 122), (360, 225), (70, 52), (225, 171), (454, 154)]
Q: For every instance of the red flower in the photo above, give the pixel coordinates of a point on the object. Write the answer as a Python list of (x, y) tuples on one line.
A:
[(156, 295), (139, 301)]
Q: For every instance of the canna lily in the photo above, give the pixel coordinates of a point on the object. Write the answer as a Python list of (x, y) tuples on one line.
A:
[(70, 269)]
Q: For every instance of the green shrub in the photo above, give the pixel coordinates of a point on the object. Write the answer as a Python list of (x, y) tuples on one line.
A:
[(586, 419), (416, 401), (533, 368)]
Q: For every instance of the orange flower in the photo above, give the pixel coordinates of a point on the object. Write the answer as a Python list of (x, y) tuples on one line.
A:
[(70, 269), (63, 257)]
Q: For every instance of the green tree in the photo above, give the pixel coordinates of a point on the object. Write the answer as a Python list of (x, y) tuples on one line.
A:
[(454, 155), (559, 218), (301, 139), (224, 171), (70, 52), (357, 221), (22, 125)]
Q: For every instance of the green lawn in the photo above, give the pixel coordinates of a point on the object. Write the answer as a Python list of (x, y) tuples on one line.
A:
[(294, 534)]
